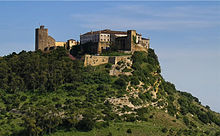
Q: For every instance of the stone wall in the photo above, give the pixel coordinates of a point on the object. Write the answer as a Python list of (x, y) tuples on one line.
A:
[(99, 60), (41, 38), (51, 41)]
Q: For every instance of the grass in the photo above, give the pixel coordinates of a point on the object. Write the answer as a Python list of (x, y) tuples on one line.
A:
[(119, 129), (153, 127)]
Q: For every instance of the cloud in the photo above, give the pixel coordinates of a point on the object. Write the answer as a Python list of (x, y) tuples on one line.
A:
[(151, 18)]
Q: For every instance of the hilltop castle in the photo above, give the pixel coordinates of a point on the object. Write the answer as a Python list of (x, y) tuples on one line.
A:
[(124, 41)]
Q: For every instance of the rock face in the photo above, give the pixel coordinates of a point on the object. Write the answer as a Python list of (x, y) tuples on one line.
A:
[(122, 67)]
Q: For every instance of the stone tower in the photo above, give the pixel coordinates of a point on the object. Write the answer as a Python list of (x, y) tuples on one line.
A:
[(131, 35), (41, 38)]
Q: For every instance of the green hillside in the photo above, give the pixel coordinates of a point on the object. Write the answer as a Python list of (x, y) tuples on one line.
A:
[(50, 94)]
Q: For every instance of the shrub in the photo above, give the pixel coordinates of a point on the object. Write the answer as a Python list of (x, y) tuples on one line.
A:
[(171, 109), (86, 124), (126, 70), (129, 131), (101, 124), (203, 117), (110, 134), (120, 62), (23, 98), (141, 111), (120, 83), (134, 80), (164, 130), (135, 101), (217, 133), (186, 120), (108, 65)]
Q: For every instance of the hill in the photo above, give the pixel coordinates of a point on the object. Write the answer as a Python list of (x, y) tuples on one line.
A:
[(50, 94)]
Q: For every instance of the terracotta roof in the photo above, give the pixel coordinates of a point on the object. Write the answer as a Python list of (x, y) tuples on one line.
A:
[(106, 31)]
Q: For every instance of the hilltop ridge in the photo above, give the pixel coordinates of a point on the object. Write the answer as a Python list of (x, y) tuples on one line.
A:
[(48, 93)]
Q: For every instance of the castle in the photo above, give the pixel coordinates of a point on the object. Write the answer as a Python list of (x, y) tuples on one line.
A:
[(99, 41), (102, 40)]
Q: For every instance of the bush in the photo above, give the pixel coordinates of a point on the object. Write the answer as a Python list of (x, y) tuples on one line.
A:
[(134, 80), (171, 109), (203, 117), (108, 65), (135, 101), (120, 83), (85, 124), (129, 131), (126, 70), (110, 134), (102, 124), (186, 120), (217, 133), (164, 130), (120, 62)]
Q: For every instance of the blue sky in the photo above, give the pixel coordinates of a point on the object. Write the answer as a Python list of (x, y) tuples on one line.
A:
[(185, 35)]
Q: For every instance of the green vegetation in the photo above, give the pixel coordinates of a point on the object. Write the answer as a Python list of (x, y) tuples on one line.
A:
[(114, 53), (50, 94)]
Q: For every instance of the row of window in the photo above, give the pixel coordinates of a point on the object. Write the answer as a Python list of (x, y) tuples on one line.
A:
[(105, 39), (105, 35)]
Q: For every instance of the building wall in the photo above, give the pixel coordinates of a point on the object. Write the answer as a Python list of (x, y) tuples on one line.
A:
[(93, 60), (104, 37), (102, 46), (71, 43), (131, 40), (88, 38), (100, 37), (146, 43), (60, 44), (121, 43)]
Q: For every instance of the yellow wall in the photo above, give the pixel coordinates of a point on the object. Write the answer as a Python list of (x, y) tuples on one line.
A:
[(60, 44)]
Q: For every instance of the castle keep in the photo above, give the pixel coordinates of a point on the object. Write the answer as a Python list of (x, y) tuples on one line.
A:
[(44, 42)]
